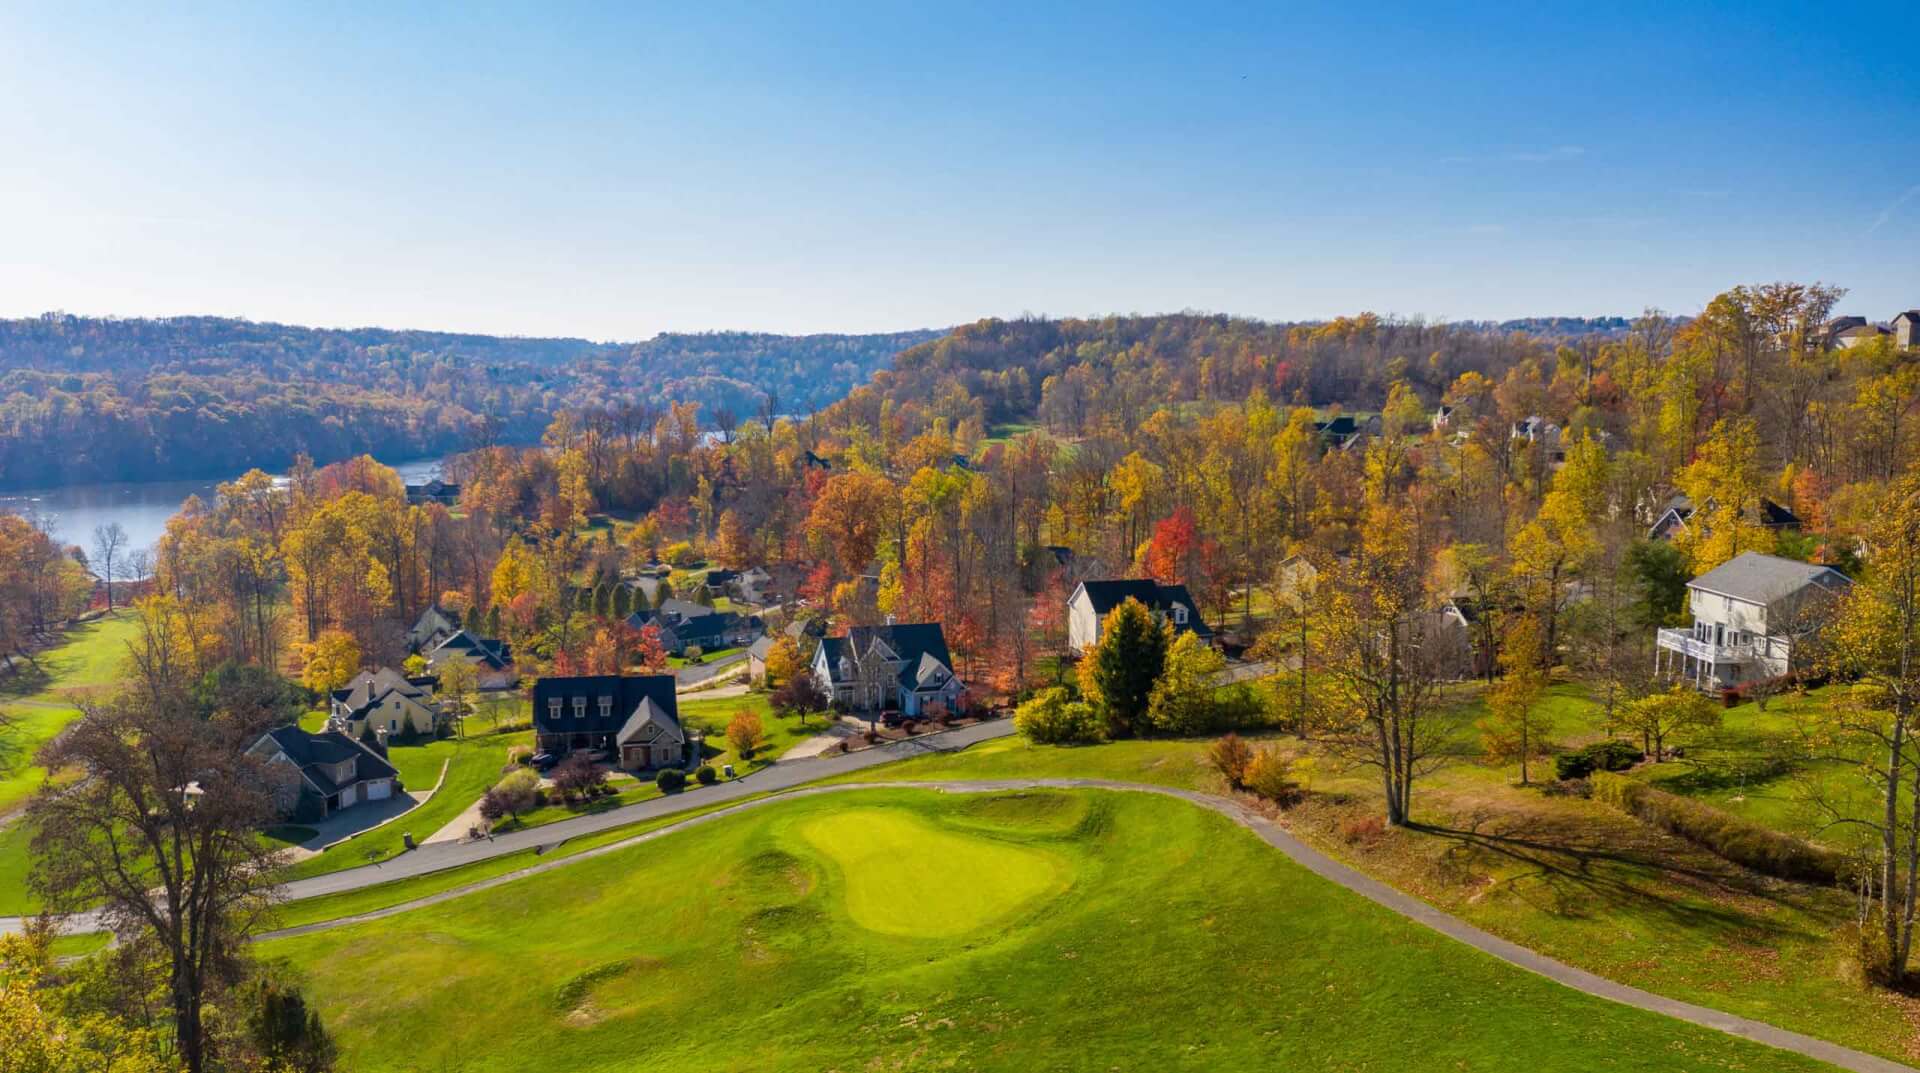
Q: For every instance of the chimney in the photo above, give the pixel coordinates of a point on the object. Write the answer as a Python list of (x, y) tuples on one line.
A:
[(889, 619), (380, 740)]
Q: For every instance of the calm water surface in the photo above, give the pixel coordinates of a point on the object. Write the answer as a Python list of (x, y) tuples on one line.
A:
[(141, 509)]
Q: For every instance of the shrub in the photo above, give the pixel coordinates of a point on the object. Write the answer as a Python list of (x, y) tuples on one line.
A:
[(1362, 829), (518, 792), (1052, 717), (671, 780), (1747, 844), (1614, 754), (578, 776), (1230, 756), (798, 695), (519, 754), (1270, 774), (745, 734), (706, 775)]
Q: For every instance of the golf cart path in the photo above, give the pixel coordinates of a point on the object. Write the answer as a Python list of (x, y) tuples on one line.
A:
[(1299, 852)]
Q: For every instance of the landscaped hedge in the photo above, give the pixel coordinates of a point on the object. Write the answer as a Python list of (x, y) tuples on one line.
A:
[(1760, 848), (1609, 755)]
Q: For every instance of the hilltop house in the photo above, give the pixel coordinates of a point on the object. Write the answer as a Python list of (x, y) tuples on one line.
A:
[(635, 718), (1087, 608), (684, 624), (1906, 329), (385, 700), (899, 665), (1749, 615), (491, 659), (337, 771)]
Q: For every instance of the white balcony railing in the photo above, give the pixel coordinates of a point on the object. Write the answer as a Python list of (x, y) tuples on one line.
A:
[(1684, 641)]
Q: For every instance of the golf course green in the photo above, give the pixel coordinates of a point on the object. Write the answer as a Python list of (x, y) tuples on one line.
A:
[(911, 929)]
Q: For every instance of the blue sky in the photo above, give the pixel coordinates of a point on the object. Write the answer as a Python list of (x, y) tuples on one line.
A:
[(616, 171)]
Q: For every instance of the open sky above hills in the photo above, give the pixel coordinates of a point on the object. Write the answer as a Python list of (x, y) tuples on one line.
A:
[(610, 173)]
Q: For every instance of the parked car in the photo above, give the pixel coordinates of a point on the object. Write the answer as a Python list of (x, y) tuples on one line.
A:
[(544, 761)]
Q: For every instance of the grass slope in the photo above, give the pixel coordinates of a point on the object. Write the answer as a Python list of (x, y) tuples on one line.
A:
[(1162, 937), (1562, 875), (38, 704)]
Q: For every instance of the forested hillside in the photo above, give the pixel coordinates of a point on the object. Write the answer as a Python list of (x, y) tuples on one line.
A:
[(86, 399)]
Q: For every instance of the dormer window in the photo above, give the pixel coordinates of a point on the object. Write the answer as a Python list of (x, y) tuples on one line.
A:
[(579, 707), (606, 707), (1179, 615), (553, 708)]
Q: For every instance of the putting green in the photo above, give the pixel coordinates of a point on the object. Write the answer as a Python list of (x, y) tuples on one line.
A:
[(894, 867)]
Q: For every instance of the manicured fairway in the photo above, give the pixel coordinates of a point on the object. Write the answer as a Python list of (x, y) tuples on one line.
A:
[(39, 703), (1139, 933)]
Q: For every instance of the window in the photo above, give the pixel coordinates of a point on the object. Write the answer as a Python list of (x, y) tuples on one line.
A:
[(1179, 615), (553, 708), (606, 707), (579, 707)]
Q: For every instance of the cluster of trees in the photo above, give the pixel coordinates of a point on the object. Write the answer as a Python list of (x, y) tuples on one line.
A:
[(42, 583), (178, 397), (158, 834)]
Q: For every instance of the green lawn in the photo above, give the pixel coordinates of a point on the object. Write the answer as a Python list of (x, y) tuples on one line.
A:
[(1120, 932), (37, 703), (400, 891), (677, 662), (1563, 875), (473, 766)]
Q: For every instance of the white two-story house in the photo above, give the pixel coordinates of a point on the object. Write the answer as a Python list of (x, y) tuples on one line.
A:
[(1749, 615)]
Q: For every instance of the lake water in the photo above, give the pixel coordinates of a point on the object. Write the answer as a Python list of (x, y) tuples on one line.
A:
[(142, 509)]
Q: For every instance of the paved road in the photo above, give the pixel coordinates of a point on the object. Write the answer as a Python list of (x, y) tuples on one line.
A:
[(782, 775), (687, 677), (1313, 860)]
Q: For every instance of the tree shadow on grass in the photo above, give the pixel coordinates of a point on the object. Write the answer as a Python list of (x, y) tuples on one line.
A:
[(1572, 871)]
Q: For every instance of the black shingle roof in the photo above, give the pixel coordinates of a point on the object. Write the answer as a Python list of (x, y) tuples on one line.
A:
[(627, 692)]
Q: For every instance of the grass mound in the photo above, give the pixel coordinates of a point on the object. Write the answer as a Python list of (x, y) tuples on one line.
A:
[(1182, 942), (1031, 812), (893, 865)]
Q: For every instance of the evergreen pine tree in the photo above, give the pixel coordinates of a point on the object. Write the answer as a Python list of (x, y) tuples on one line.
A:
[(1124, 666)]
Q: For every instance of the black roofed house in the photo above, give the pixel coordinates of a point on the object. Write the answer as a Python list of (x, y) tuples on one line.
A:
[(814, 461), (1091, 601), (336, 771), (435, 625), (635, 718), (1672, 519), (900, 665), (385, 701), (434, 491), (684, 624), (490, 658), (1906, 329)]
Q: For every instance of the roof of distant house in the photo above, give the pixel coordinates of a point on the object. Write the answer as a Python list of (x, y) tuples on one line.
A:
[(1763, 579), (489, 651)]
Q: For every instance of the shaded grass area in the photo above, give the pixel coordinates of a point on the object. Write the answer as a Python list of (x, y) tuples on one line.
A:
[(1221, 953)]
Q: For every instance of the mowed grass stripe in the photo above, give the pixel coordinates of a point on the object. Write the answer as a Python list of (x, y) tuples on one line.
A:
[(1180, 942)]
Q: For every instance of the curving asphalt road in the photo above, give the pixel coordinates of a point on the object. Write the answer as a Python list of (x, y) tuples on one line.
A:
[(1306, 856)]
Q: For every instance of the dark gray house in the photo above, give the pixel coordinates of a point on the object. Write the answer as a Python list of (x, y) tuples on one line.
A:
[(635, 718)]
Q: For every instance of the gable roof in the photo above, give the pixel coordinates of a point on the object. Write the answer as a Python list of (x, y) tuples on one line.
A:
[(370, 687), (314, 753), (627, 691), (761, 648), (920, 648), (488, 651), (434, 623), (1763, 579), (650, 723)]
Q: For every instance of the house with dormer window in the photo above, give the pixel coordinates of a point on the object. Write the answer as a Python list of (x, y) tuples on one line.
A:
[(634, 719), (1750, 616), (1091, 601), (904, 666)]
